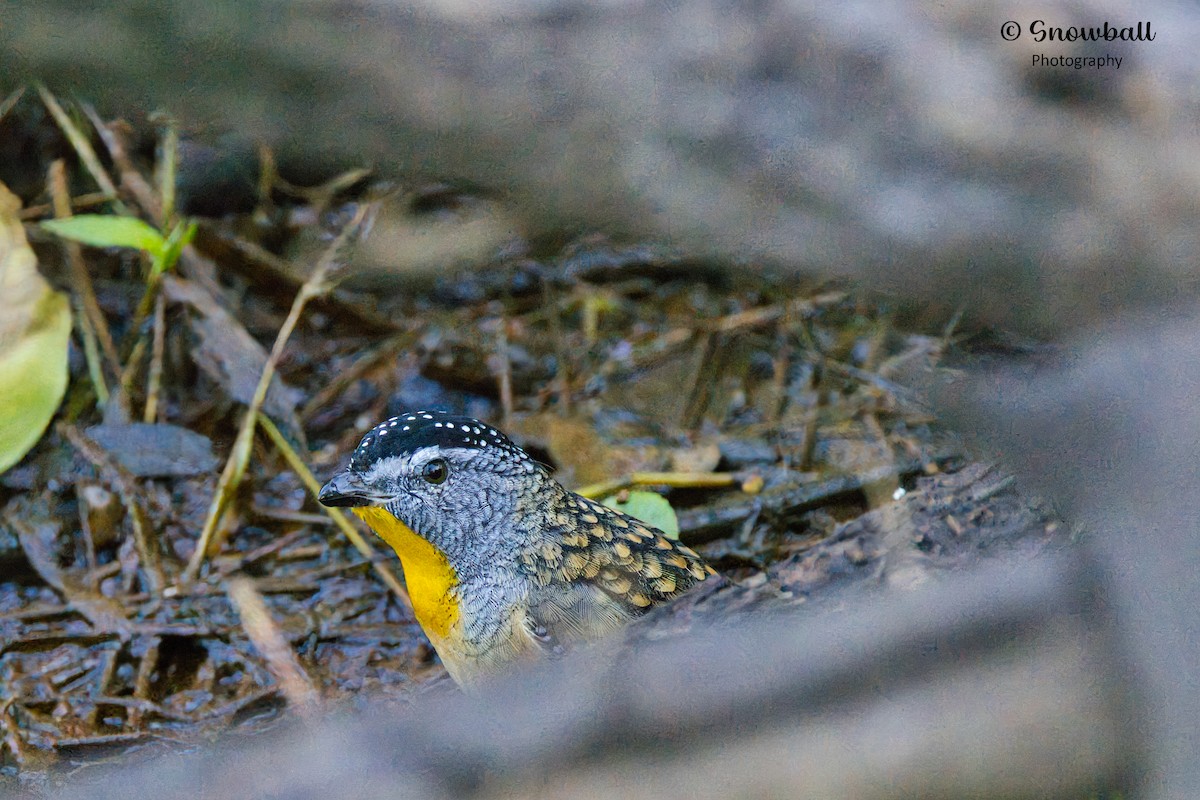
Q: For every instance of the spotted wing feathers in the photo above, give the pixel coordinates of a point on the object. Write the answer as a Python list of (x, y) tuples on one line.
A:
[(595, 568)]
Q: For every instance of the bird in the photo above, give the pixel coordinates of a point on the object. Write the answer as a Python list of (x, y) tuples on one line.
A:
[(503, 564)]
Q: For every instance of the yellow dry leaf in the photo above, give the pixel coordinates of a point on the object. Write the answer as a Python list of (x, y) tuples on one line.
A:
[(35, 327)]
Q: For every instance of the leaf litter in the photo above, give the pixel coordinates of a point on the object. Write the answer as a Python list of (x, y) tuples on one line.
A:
[(774, 422)]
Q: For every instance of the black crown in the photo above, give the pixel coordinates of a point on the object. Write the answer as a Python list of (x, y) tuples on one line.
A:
[(408, 433)]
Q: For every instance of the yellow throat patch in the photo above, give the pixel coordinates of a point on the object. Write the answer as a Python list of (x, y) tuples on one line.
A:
[(427, 574)]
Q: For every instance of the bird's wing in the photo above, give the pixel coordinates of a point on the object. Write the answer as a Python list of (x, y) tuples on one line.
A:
[(596, 568)]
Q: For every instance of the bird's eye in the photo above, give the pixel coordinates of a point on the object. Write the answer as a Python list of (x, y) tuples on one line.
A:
[(436, 471)]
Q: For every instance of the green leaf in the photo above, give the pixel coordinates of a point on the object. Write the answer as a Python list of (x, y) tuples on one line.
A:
[(180, 238), (35, 330), (650, 508), (108, 230)]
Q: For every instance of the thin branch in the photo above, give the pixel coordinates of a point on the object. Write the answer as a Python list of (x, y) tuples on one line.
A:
[(239, 456), (269, 640), (83, 147), (126, 486), (131, 179), (154, 380), (314, 488), (677, 480), (79, 274)]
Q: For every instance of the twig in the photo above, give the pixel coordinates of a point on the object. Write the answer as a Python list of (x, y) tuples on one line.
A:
[(91, 353), (238, 704), (239, 456), (503, 370), (154, 381), (755, 317), (12, 734), (7, 104), (168, 167), (780, 367), (126, 486), (85, 527), (314, 488), (129, 374), (259, 553), (108, 668), (139, 705), (78, 203), (131, 179), (83, 148), (364, 363), (876, 381), (562, 378), (166, 190), (79, 274), (286, 515), (281, 660), (141, 684), (262, 266), (707, 359), (679, 480)]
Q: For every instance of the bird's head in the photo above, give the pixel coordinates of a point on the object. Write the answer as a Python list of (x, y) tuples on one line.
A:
[(451, 479)]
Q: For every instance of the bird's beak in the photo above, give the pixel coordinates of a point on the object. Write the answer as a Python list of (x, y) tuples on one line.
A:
[(346, 489)]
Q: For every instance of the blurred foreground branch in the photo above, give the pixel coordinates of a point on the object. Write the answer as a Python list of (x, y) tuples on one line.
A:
[(1006, 683), (912, 145)]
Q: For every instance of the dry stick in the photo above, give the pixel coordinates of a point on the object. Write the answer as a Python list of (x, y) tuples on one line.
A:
[(684, 480), (266, 266), (168, 164), (143, 192), (126, 486), (167, 169), (154, 381), (12, 734), (281, 660), (87, 156), (91, 353), (706, 355), (780, 368), (259, 553), (284, 515), (108, 668), (131, 179), (754, 317), (78, 203), (363, 364), (503, 366), (239, 456), (141, 684), (89, 539), (875, 380), (591, 315), (881, 493), (13, 98), (129, 373), (314, 488), (83, 282), (562, 380), (83, 148)]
